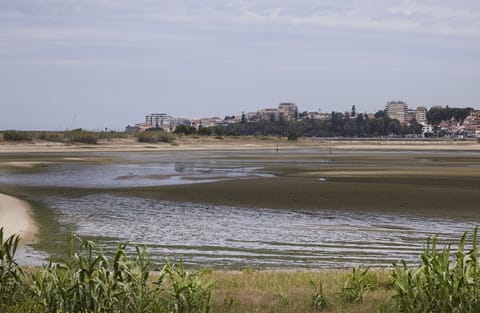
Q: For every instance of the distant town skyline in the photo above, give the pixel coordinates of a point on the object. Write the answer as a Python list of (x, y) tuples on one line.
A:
[(105, 64)]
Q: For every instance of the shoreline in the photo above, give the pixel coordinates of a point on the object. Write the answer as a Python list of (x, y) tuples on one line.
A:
[(241, 144), (16, 218)]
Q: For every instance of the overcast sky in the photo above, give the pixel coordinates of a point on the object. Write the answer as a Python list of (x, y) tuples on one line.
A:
[(107, 63)]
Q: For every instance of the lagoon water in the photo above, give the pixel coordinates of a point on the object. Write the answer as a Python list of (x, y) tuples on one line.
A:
[(232, 237), (223, 236)]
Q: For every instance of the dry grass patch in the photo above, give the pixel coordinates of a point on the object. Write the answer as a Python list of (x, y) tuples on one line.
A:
[(291, 291)]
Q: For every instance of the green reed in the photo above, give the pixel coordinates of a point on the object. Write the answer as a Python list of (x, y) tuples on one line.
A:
[(10, 272), (355, 286), (186, 292), (86, 280), (319, 300), (443, 282)]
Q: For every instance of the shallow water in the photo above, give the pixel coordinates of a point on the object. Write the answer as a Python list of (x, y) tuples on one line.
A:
[(222, 236), (232, 237), (134, 170)]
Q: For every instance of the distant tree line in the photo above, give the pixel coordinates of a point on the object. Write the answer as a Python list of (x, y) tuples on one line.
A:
[(438, 114), (339, 125)]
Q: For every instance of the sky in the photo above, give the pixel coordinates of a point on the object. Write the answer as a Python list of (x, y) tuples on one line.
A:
[(97, 64)]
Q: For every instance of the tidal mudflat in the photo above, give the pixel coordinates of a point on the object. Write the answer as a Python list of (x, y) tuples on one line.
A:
[(257, 209)]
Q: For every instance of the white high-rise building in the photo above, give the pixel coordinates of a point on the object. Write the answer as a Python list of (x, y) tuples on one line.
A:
[(159, 120)]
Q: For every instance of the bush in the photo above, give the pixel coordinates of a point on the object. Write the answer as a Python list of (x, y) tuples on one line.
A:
[(204, 131), (109, 135), (15, 135), (443, 282), (188, 292), (81, 136), (355, 286), (319, 301), (292, 136), (51, 136), (155, 137)]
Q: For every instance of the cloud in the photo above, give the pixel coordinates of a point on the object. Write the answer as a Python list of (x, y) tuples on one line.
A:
[(423, 16)]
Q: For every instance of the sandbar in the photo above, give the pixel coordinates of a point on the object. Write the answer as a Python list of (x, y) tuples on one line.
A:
[(16, 218), (240, 143)]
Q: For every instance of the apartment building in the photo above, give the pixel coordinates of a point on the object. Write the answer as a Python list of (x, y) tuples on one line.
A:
[(397, 110), (159, 120), (288, 110), (421, 115)]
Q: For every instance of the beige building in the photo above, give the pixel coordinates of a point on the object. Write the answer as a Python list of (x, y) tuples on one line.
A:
[(397, 110), (288, 110), (268, 114), (421, 115)]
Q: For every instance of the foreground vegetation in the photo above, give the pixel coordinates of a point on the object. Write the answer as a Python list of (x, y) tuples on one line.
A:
[(88, 281)]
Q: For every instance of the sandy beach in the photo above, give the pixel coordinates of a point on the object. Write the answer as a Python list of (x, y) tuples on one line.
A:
[(239, 143), (16, 218)]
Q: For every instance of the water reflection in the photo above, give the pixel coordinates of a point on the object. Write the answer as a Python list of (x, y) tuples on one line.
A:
[(119, 175)]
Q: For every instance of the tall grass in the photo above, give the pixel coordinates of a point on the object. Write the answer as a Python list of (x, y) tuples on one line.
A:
[(444, 282), (187, 292), (10, 273), (355, 286), (88, 281)]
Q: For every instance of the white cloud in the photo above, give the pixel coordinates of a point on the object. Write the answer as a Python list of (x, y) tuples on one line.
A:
[(443, 17)]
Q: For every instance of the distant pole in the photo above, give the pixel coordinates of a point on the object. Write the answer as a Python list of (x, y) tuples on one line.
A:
[(330, 152)]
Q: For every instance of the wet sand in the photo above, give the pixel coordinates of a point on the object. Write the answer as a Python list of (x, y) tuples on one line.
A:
[(16, 218)]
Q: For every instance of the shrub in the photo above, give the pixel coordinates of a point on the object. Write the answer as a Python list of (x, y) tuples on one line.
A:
[(355, 286), (292, 136), (51, 136), (319, 301), (443, 282), (109, 135), (81, 136), (188, 292), (15, 135), (204, 131), (155, 137)]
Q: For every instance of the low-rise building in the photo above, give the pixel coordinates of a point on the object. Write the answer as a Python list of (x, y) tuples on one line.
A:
[(268, 114)]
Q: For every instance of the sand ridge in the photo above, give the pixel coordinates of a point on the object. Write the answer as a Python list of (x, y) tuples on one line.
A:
[(16, 218)]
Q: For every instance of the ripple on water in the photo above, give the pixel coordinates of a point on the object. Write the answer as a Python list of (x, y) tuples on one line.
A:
[(233, 237)]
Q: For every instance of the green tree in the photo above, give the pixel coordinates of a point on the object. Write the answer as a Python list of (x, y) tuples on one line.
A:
[(186, 130), (204, 131)]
